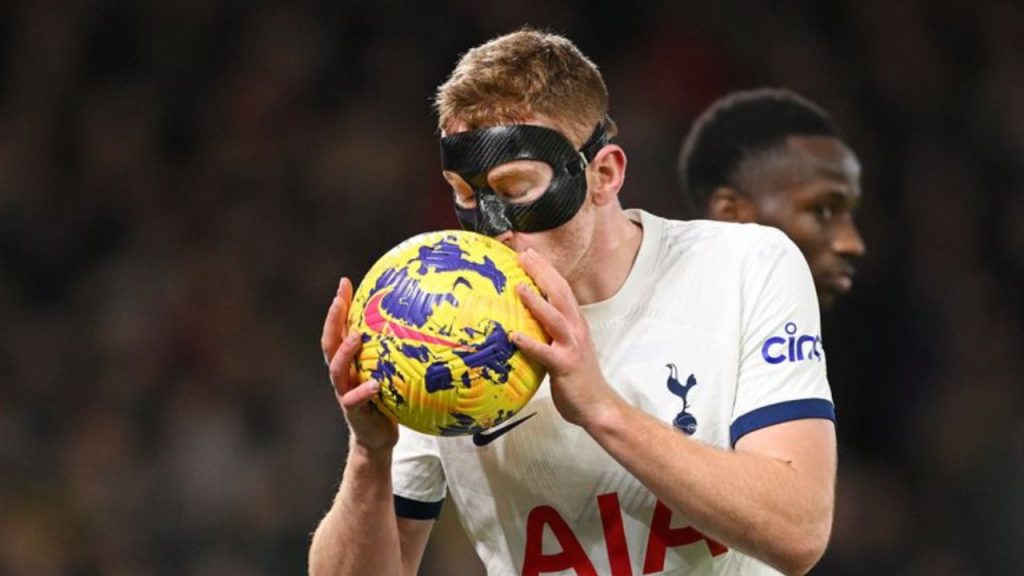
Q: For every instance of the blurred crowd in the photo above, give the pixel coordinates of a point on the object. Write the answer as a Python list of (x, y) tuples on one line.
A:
[(183, 182)]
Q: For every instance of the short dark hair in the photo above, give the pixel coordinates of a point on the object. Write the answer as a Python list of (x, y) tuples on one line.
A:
[(736, 127)]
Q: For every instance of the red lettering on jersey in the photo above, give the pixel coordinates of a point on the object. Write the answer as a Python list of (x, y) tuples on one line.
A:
[(663, 536), (614, 534), (572, 555)]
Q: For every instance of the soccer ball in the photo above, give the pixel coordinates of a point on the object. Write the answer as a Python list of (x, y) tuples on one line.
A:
[(435, 313)]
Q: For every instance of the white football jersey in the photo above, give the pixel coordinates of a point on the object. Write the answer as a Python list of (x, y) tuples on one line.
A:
[(716, 332)]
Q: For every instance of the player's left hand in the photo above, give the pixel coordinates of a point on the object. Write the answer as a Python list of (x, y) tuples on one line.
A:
[(578, 387)]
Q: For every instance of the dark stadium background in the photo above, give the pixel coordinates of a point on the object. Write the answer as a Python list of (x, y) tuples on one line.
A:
[(183, 182)]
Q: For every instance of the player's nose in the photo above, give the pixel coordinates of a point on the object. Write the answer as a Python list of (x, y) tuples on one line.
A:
[(846, 239), (504, 237)]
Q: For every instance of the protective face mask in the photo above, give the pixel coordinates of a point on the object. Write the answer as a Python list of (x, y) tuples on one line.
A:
[(473, 154)]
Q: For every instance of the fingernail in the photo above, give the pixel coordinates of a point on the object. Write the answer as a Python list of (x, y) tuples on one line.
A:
[(374, 386)]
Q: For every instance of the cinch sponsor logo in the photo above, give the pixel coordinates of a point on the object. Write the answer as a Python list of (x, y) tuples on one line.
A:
[(791, 348)]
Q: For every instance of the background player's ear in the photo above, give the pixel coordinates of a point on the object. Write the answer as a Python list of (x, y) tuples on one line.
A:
[(727, 204)]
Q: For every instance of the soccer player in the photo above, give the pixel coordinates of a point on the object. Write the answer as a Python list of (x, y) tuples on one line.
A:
[(773, 157), (686, 424)]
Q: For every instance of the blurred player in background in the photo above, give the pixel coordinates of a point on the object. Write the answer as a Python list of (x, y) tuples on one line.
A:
[(771, 156), (686, 425)]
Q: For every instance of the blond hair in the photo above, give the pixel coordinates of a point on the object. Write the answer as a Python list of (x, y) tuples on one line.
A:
[(525, 73)]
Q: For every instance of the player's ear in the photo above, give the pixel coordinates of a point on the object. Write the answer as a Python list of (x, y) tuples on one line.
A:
[(727, 204), (606, 173)]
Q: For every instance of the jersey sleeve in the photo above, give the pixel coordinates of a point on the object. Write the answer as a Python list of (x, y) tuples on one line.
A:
[(782, 373), (417, 477)]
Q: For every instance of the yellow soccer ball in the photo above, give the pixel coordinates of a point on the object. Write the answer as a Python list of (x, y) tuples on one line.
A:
[(435, 313)]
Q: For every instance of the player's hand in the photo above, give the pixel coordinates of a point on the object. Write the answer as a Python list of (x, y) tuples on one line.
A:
[(369, 428), (578, 387)]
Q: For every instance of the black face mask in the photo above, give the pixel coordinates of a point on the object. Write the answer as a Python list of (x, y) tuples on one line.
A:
[(473, 154)]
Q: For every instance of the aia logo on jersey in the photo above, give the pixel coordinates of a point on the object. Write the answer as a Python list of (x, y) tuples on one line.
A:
[(791, 347), (568, 553), (684, 421)]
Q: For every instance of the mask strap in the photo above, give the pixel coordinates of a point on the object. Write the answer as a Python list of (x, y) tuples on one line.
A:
[(587, 152), (598, 139)]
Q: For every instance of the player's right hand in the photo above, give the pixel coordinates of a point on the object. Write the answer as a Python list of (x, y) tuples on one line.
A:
[(368, 427)]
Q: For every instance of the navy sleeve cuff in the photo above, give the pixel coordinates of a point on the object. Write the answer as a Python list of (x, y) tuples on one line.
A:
[(779, 413), (406, 508)]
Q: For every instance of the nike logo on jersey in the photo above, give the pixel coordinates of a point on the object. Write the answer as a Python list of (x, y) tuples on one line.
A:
[(485, 438)]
